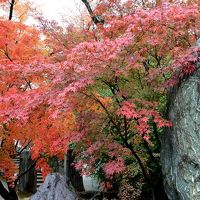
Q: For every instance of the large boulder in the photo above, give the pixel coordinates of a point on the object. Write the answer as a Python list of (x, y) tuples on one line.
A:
[(54, 188), (180, 153)]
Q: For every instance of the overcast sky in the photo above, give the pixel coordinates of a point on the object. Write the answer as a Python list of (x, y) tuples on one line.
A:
[(54, 9)]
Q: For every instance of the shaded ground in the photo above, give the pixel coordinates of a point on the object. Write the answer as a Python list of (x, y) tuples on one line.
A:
[(21, 196)]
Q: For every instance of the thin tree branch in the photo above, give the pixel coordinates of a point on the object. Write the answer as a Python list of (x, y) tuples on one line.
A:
[(23, 148), (3, 192), (12, 3), (26, 171), (126, 144), (155, 131), (113, 90), (7, 55), (102, 105), (150, 152), (28, 83), (24, 143), (129, 146), (95, 18), (16, 144)]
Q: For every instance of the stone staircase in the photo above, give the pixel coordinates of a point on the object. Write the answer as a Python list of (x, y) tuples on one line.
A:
[(16, 161), (39, 178)]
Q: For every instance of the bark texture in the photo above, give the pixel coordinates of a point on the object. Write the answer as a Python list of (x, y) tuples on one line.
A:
[(54, 188), (180, 153)]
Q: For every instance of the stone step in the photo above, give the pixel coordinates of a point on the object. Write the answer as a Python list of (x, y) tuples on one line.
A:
[(16, 161), (39, 179), (39, 182)]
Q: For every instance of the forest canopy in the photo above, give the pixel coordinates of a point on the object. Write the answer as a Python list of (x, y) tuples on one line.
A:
[(98, 86)]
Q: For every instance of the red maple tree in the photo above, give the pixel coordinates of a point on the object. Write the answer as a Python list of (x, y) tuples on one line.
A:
[(110, 77)]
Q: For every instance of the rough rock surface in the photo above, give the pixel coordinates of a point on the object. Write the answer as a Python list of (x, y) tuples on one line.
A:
[(54, 188), (180, 154)]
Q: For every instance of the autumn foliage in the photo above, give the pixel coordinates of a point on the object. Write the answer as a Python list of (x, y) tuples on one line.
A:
[(96, 85)]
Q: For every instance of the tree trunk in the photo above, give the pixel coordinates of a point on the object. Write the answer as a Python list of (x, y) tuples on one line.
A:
[(8, 195)]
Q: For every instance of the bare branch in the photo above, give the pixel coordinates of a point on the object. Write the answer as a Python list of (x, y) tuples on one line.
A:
[(23, 148), (26, 171), (95, 18), (12, 3)]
